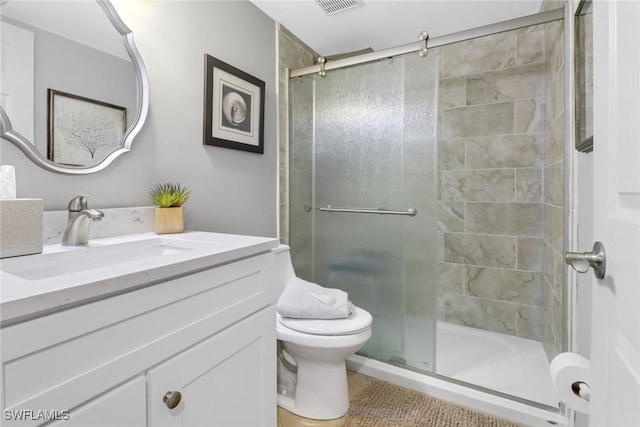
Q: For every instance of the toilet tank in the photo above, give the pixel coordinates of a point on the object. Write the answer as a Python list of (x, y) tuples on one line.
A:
[(284, 267)]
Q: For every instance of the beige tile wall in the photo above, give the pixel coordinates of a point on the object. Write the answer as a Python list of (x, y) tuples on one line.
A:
[(495, 216), (553, 200)]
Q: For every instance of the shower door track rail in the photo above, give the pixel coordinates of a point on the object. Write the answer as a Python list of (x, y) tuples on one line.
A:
[(379, 211), (512, 24)]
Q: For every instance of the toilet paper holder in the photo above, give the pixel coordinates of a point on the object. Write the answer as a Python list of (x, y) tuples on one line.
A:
[(582, 390)]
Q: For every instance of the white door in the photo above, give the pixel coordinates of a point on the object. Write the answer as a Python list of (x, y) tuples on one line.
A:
[(615, 353)]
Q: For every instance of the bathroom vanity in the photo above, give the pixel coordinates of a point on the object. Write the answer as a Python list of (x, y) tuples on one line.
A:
[(141, 330)]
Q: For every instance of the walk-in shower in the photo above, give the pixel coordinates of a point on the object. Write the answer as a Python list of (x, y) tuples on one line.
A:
[(431, 190)]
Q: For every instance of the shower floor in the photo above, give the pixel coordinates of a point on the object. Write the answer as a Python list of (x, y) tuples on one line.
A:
[(508, 364)]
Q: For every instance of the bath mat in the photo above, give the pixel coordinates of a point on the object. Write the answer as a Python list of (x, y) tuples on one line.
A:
[(382, 404)]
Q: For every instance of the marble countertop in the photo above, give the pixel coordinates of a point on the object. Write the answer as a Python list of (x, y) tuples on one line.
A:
[(62, 277)]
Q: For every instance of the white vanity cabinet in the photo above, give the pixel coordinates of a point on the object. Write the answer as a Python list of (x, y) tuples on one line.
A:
[(209, 335)]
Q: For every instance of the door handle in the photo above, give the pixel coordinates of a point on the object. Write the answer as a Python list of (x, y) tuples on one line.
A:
[(596, 259)]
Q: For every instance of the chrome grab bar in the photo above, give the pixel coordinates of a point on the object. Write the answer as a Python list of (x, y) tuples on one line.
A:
[(380, 211)]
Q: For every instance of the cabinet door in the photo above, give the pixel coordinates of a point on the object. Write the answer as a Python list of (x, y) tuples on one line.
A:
[(122, 407), (227, 380)]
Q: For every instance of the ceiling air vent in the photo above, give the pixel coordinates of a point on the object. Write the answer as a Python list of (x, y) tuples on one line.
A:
[(331, 7)]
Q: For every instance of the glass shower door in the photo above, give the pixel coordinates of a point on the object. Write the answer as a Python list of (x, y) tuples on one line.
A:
[(365, 138)]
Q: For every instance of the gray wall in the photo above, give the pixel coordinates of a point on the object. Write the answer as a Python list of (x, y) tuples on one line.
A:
[(232, 191)]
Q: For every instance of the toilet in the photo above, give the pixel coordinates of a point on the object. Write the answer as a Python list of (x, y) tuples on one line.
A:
[(312, 374)]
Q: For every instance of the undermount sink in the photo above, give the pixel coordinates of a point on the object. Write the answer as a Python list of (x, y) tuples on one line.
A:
[(79, 259)]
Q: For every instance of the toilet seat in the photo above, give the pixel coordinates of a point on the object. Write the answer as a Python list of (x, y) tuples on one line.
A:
[(357, 321)]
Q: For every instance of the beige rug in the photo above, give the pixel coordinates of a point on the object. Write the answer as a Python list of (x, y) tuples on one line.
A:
[(382, 404)]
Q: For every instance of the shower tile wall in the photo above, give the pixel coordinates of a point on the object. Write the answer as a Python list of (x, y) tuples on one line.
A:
[(292, 54), (494, 218), (553, 201)]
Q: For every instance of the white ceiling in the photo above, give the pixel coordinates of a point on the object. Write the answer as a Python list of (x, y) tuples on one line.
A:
[(382, 24)]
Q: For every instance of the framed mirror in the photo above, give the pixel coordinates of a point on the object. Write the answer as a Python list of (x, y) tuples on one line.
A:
[(584, 76), (75, 91)]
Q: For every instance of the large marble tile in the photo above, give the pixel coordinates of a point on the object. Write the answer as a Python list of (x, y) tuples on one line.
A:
[(491, 185), (553, 227), (451, 278), (556, 97), (480, 250), (283, 222), (530, 253), (529, 185), (451, 154), (554, 45), (292, 51), (453, 92), (440, 253), (529, 115), (549, 256), (479, 120), (481, 54), (531, 324), (556, 319), (508, 84), (554, 184), (554, 142), (547, 303), (512, 219), (522, 287), (451, 216), (530, 48), (509, 151), (496, 316)]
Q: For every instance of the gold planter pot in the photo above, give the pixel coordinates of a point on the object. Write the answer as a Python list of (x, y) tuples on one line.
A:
[(169, 220)]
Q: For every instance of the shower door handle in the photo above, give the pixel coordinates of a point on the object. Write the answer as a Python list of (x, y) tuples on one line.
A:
[(379, 211), (596, 259)]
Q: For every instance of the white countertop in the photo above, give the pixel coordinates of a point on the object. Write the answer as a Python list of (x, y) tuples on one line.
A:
[(64, 276)]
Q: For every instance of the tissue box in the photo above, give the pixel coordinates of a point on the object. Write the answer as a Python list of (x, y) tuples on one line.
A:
[(20, 227)]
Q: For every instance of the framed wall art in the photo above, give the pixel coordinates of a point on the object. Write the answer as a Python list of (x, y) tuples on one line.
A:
[(233, 107), (82, 131)]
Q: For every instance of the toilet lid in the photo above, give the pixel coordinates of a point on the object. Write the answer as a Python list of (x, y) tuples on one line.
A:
[(357, 321)]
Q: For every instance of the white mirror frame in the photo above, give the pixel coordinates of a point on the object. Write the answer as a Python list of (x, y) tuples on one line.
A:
[(7, 133)]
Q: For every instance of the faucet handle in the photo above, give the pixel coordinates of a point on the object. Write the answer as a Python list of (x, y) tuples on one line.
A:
[(79, 203)]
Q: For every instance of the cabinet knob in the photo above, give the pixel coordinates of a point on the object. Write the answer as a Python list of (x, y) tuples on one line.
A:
[(172, 399)]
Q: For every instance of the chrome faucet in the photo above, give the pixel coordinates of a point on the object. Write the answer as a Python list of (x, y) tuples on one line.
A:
[(77, 231)]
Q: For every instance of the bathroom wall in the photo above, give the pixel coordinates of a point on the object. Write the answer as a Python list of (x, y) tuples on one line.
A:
[(232, 191), (491, 157)]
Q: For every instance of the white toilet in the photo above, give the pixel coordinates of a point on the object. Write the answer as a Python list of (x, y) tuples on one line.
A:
[(312, 375)]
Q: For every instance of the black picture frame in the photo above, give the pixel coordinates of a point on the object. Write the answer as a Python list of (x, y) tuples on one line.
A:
[(82, 131), (233, 108)]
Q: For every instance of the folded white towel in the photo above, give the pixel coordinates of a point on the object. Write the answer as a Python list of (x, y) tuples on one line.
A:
[(305, 300)]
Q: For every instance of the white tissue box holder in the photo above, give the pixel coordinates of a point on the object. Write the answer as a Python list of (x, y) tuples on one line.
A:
[(20, 227)]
